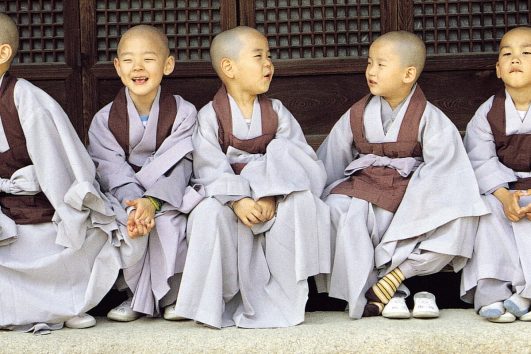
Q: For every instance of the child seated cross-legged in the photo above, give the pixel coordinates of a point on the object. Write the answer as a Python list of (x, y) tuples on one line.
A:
[(141, 144), (403, 197), (498, 140), (262, 230), (56, 260)]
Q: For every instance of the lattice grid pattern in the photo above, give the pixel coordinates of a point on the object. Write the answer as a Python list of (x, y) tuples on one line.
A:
[(455, 26), (189, 24), (318, 28), (41, 30)]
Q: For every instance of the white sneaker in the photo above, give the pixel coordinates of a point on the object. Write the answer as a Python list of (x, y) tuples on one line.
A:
[(170, 315), (396, 308), (425, 306), (526, 317), (507, 317), (123, 312), (82, 321)]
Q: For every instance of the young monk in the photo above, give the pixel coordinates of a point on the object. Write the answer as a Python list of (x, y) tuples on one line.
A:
[(262, 230), (498, 140), (56, 261), (141, 144), (401, 190)]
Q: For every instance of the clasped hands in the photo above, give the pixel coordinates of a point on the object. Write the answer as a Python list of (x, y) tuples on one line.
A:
[(252, 212), (511, 204), (141, 220)]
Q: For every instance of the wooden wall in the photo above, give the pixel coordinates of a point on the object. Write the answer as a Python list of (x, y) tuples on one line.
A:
[(319, 48)]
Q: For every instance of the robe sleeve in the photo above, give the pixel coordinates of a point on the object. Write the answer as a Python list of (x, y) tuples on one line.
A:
[(443, 188), (479, 143), (62, 166), (289, 164)]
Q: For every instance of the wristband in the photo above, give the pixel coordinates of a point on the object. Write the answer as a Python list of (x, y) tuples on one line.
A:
[(156, 202)]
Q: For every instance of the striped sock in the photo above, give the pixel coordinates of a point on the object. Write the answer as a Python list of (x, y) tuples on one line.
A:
[(386, 287)]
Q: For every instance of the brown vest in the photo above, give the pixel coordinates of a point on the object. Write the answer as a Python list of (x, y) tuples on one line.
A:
[(23, 209), (119, 120), (383, 186), (514, 151), (257, 145)]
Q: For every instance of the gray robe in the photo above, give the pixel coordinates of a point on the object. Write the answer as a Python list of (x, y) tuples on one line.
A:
[(254, 277), (437, 214), (50, 272), (150, 261), (502, 248)]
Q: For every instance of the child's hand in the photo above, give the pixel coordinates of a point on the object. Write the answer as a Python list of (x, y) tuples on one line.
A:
[(510, 201), (248, 211), (143, 216), (132, 229), (269, 207)]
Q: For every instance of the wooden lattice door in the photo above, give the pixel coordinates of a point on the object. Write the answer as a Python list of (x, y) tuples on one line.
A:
[(49, 49), (189, 24)]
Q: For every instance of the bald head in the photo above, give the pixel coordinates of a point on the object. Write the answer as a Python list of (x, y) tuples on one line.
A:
[(9, 33), (408, 46), (228, 44), (146, 31), (518, 32)]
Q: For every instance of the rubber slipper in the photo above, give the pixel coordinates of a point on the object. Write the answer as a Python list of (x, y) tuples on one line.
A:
[(396, 308), (425, 306), (507, 317)]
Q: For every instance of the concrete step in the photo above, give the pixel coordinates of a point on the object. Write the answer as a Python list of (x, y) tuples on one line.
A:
[(455, 331)]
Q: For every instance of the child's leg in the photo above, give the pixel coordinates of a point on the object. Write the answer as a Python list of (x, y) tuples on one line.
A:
[(489, 296), (418, 263)]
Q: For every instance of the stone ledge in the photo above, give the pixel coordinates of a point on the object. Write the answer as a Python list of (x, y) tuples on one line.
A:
[(456, 331)]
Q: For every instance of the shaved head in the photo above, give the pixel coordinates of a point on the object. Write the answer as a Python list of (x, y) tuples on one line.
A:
[(228, 44), (145, 31), (9, 33), (408, 46), (518, 31)]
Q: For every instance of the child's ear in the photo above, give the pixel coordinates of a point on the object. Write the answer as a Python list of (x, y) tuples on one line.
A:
[(410, 74), (169, 65), (498, 74), (5, 53), (116, 63), (227, 67)]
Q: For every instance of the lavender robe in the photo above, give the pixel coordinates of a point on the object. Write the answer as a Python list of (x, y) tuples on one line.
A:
[(502, 249), (437, 214), (50, 272), (254, 277), (149, 262)]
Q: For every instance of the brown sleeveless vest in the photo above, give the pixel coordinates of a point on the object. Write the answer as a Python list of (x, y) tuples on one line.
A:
[(257, 145), (23, 209), (119, 120), (514, 151), (384, 186)]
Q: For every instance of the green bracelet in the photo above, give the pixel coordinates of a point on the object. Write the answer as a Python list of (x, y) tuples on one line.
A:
[(156, 203)]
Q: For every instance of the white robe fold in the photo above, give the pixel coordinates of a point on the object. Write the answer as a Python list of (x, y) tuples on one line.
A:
[(438, 212), (257, 277), (502, 248), (148, 262), (50, 272)]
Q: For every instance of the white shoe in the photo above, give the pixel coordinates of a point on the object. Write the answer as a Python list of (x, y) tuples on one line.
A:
[(507, 317), (82, 321), (170, 315), (396, 308), (123, 312), (526, 317), (425, 306)]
